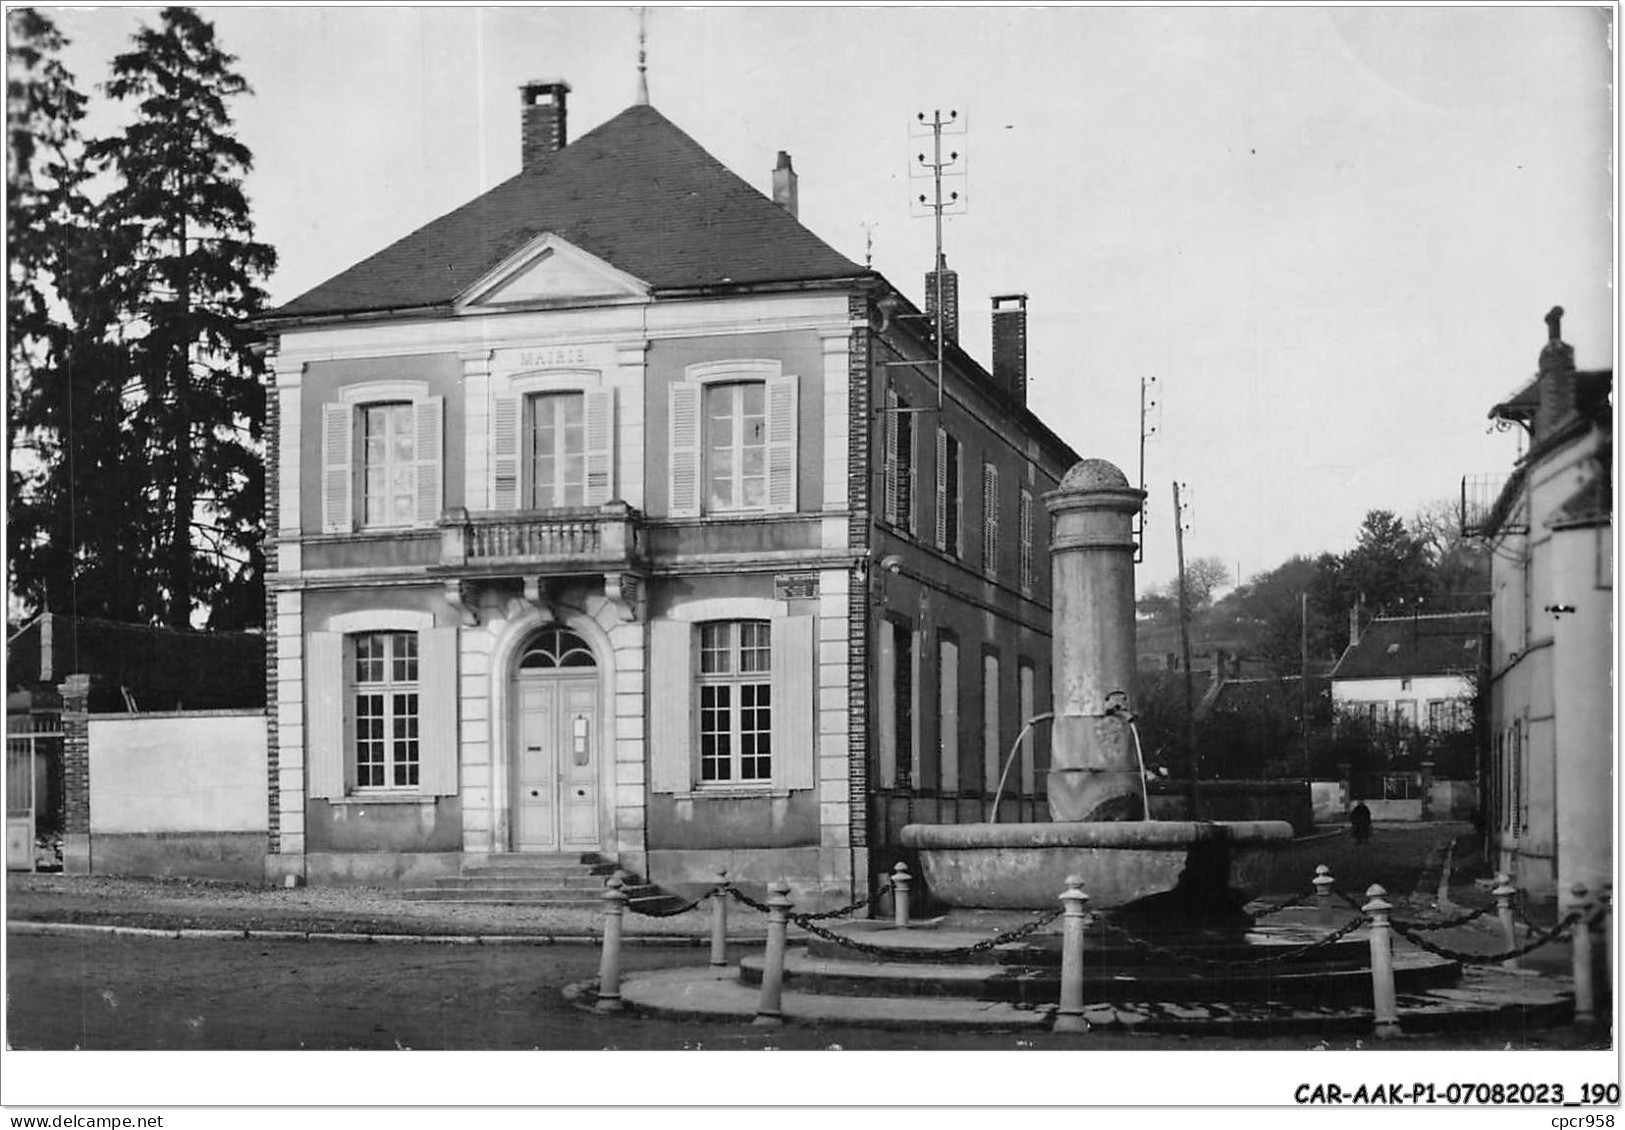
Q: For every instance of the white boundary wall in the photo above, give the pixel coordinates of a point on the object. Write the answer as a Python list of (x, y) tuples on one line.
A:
[(193, 771)]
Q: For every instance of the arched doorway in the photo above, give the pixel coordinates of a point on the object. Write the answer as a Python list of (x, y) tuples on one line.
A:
[(556, 744)]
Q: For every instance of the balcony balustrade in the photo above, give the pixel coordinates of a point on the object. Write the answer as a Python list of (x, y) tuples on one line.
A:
[(609, 537)]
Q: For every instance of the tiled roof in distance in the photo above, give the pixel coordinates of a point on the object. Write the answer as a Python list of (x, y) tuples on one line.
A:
[(1411, 646), (636, 192)]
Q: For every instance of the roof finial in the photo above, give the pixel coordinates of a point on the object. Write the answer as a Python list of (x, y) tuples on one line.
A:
[(643, 56)]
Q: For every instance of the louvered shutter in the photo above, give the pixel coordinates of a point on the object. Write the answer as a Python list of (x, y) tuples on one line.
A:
[(338, 431), (794, 692), (684, 447), (990, 520), (505, 453), (942, 489), (324, 707), (429, 432), (781, 444), (600, 446), (437, 712), (891, 457), (670, 694), (909, 478), (1024, 520)]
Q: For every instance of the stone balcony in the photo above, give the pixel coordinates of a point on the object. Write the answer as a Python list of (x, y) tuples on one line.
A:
[(584, 540)]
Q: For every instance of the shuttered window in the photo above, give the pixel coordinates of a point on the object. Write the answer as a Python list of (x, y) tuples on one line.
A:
[(948, 713), (733, 446), (1024, 520), (990, 722), (383, 712), (382, 464), (734, 706), (553, 449), (900, 487), (948, 493), (990, 521)]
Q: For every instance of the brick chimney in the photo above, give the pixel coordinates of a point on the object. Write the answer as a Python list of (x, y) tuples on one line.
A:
[(1010, 344), (1556, 384), (950, 298), (541, 121), (784, 185)]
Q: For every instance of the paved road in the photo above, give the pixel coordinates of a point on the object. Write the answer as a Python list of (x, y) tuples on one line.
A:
[(111, 993)]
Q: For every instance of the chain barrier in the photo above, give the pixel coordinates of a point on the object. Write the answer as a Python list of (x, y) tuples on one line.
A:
[(1251, 963), (741, 896), (985, 944), (1447, 924), (1533, 944), (684, 909), (1295, 900), (803, 919)]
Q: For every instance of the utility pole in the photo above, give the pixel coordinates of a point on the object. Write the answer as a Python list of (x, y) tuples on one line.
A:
[(1303, 677), (1192, 755)]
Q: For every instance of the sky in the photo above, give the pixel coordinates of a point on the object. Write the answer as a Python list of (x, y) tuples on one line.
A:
[(1329, 234)]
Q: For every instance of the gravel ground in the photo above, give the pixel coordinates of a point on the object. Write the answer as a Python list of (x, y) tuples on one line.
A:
[(201, 904)]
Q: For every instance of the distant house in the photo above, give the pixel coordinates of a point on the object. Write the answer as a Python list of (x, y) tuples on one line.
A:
[(1552, 685), (1413, 675)]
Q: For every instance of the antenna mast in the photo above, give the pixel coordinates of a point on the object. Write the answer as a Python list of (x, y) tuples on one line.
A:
[(938, 165), (1147, 431)]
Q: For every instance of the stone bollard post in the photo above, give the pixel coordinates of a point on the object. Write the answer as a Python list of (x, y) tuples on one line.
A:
[(1385, 1010), (1585, 989), (768, 1011), (1606, 909), (1504, 890), (900, 883), (719, 920), (1069, 1014), (1323, 893), (609, 967)]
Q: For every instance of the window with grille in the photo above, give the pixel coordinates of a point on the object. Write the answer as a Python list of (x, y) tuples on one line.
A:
[(735, 699), (385, 719)]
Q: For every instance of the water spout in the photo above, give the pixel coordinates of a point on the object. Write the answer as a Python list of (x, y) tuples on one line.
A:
[(993, 818)]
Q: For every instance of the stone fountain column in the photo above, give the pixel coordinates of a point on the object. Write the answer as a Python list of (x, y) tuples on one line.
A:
[(1094, 773)]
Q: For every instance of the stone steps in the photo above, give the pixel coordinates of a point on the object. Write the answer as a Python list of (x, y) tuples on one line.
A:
[(567, 879)]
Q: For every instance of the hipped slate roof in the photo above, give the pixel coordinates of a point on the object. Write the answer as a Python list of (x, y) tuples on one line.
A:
[(1408, 646), (636, 192)]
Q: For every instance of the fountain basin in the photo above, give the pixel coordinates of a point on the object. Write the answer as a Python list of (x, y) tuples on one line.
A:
[(1017, 866)]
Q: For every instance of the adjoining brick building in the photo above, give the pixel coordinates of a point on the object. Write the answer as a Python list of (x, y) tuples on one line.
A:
[(616, 512)]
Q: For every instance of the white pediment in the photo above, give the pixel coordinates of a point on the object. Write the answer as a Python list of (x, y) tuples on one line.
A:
[(551, 271)]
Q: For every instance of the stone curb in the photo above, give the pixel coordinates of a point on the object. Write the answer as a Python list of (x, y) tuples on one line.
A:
[(678, 941)]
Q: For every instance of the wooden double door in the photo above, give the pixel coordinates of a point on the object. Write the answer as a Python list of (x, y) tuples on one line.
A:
[(556, 766)]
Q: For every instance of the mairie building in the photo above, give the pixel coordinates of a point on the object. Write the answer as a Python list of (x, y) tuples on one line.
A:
[(615, 512)]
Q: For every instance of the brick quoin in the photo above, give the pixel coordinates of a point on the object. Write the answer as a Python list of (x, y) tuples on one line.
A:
[(273, 523), (858, 603), (75, 692)]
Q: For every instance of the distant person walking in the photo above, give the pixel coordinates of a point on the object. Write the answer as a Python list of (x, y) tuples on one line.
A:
[(1360, 822)]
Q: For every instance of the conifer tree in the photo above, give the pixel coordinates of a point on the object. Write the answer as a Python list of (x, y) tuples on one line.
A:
[(186, 279), (74, 513)]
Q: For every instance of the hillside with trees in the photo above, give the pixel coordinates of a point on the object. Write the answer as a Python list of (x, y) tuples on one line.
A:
[(1268, 631)]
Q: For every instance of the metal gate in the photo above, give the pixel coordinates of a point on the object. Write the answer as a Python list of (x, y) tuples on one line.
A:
[(33, 748)]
